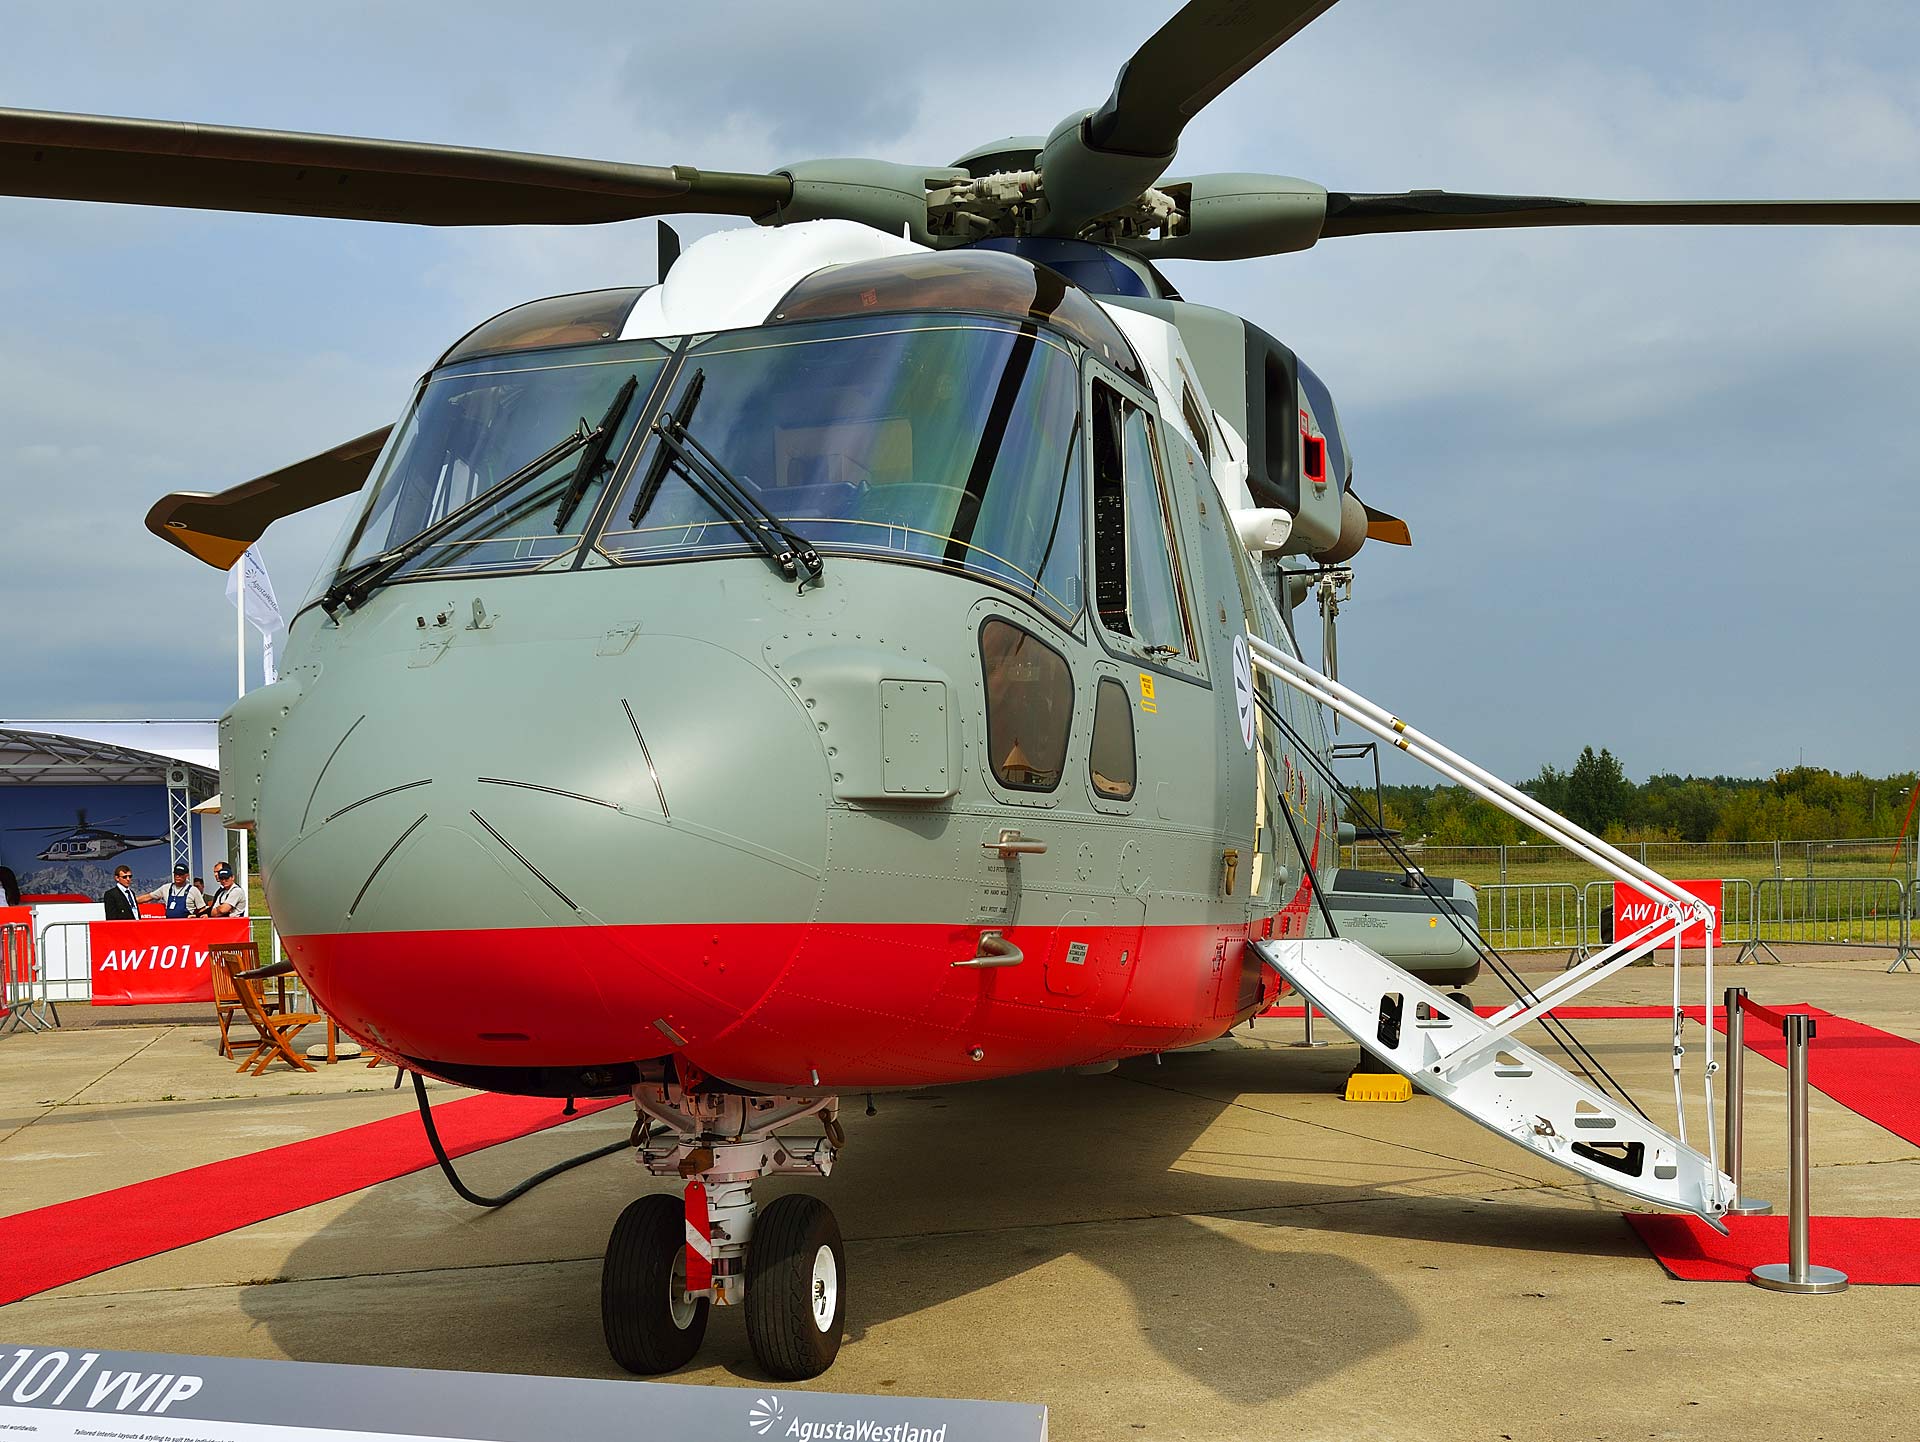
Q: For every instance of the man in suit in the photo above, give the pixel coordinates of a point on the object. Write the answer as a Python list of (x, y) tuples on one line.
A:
[(118, 898)]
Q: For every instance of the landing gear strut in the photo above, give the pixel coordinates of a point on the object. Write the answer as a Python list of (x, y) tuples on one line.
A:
[(670, 1260)]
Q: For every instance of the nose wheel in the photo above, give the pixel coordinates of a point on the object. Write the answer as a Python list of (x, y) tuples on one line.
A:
[(796, 1288), (651, 1323), (671, 1258)]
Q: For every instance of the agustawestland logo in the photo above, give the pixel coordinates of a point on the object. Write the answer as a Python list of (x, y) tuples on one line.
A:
[(767, 1414)]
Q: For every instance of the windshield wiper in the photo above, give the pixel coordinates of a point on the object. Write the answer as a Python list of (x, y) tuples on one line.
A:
[(350, 591), (739, 506), (657, 467), (594, 455)]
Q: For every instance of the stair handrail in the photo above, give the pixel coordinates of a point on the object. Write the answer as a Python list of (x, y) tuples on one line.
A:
[(1681, 907)]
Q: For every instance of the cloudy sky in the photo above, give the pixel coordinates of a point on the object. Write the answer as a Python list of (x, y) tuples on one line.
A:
[(1661, 481)]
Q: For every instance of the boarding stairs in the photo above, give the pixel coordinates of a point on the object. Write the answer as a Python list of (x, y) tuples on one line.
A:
[(1476, 1065)]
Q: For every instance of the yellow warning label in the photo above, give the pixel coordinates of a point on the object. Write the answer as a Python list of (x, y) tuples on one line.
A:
[(1147, 702)]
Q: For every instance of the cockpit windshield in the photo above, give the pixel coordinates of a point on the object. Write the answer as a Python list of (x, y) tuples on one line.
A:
[(945, 441), (948, 440), (473, 426)]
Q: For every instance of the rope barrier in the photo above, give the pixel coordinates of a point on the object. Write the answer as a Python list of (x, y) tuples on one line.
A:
[(1777, 1019)]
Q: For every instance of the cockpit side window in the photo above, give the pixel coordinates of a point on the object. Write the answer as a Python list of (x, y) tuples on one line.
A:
[(1136, 566)]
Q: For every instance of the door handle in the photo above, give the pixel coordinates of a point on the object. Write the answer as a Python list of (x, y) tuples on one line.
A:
[(994, 950), (1012, 844)]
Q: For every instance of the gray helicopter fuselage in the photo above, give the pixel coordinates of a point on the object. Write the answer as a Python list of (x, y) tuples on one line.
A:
[(535, 812)]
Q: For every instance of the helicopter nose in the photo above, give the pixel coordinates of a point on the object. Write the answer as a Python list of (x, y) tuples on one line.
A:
[(585, 865)]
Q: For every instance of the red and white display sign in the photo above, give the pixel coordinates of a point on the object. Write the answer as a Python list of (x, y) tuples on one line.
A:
[(1633, 911), (138, 963)]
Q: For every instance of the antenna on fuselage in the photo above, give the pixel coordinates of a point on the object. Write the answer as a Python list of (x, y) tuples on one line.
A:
[(668, 240)]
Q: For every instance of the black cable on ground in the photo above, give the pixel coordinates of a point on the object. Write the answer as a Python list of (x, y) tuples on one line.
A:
[(453, 1178), (1562, 1035)]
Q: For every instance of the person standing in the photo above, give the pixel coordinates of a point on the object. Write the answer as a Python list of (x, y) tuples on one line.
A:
[(182, 899), (119, 900), (9, 887), (229, 897)]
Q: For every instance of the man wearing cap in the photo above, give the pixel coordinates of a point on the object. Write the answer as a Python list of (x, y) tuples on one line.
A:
[(182, 898), (229, 897)]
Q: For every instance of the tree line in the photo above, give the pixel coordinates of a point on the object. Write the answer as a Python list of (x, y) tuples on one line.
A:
[(1802, 803)]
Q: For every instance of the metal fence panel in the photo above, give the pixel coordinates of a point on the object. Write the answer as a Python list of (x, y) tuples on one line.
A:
[(1530, 915), (1832, 911), (65, 962)]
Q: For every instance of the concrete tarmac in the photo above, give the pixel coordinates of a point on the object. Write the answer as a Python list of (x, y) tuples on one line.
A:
[(1213, 1247)]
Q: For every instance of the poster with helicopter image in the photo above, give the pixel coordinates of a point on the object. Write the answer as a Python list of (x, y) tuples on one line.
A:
[(69, 839)]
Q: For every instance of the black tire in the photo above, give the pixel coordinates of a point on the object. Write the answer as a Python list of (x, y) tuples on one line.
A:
[(793, 1322), (644, 1271)]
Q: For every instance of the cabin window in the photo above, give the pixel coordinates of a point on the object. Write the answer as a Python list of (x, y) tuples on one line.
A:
[(1136, 568), (1029, 706), (1113, 764)]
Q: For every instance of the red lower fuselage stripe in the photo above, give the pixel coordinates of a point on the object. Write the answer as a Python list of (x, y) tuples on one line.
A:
[(774, 1003)]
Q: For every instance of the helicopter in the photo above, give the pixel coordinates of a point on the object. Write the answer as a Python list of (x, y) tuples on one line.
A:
[(824, 670), (84, 842)]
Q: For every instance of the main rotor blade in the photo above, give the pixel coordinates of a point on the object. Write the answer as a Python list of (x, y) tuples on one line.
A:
[(1107, 158), (1419, 210), (283, 172), (1187, 63), (218, 528)]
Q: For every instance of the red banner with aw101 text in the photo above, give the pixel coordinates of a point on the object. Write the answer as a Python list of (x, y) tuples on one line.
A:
[(138, 963), (1633, 911)]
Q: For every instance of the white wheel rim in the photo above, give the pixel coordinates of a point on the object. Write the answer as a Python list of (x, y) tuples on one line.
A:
[(823, 1290), (679, 1305)]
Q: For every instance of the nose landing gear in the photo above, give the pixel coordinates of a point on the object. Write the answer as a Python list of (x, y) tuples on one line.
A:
[(670, 1260)]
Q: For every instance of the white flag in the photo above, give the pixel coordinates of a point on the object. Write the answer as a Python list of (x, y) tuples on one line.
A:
[(249, 587)]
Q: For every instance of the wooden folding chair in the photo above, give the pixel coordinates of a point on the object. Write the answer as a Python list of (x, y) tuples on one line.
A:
[(276, 1030), (239, 956)]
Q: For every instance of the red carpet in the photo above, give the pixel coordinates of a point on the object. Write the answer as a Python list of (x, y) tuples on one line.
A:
[(1866, 1070), (1881, 1251), (52, 1246)]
